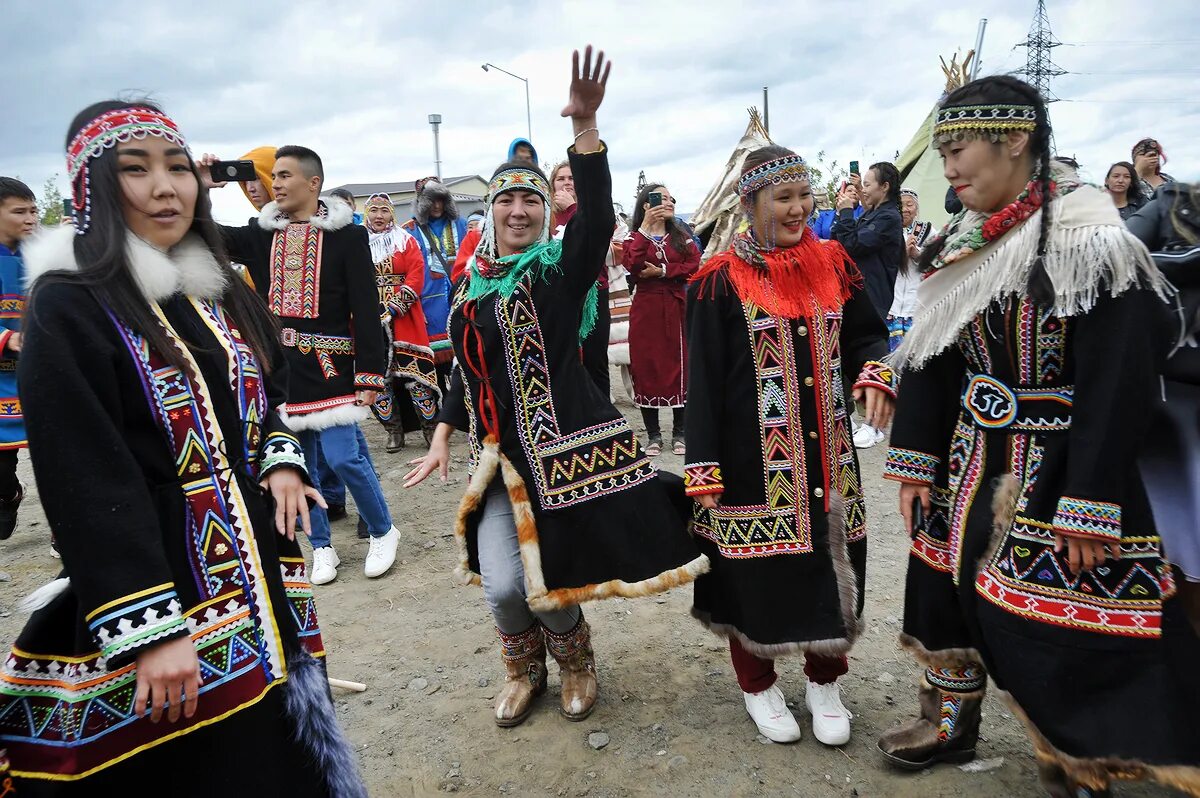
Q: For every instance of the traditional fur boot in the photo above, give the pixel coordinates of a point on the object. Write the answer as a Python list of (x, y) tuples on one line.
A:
[(948, 728), (1058, 784), (395, 439), (525, 662), (576, 668)]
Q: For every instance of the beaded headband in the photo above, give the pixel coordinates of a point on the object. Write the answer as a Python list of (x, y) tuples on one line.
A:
[(908, 192), (104, 132), (518, 180), (787, 169), (379, 200), (983, 119)]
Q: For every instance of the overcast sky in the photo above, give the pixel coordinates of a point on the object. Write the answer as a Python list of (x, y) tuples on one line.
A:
[(357, 81)]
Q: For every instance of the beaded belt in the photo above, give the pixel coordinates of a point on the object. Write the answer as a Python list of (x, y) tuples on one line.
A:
[(994, 405), (324, 345)]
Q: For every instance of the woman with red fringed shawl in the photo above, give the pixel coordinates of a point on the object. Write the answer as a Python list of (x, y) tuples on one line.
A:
[(772, 325)]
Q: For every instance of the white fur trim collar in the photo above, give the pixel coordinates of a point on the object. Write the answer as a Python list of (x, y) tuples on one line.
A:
[(336, 215), (188, 268)]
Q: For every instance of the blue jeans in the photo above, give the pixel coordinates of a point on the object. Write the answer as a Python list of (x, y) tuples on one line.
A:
[(332, 487), (342, 451)]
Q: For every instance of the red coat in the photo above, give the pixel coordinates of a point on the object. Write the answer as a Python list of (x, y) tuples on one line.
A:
[(465, 250), (400, 292), (657, 348)]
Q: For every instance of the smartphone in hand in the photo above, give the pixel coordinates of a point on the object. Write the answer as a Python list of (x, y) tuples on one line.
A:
[(233, 172), (655, 199), (918, 515), (854, 167)]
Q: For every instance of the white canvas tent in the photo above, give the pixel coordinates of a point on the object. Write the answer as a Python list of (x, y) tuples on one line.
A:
[(717, 217), (919, 165)]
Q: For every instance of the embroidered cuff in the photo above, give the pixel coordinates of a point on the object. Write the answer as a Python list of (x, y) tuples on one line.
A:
[(125, 626), (402, 301), (701, 478), (906, 465), (365, 381), (877, 375), (1088, 519), (281, 449)]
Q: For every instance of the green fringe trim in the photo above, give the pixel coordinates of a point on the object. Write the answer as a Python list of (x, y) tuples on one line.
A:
[(541, 262)]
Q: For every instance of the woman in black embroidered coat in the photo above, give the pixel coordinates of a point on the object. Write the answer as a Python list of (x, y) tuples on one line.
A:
[(180, 591), (780, 511), (1028, 378), (590, 516)]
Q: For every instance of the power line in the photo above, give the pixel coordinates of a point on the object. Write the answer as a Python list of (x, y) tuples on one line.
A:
[(1123, 42), (1132, 72), (1137, 102)]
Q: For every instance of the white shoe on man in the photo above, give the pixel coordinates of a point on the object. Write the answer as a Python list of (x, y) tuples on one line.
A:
[(325, 565), (867, 436), (830, 718), (382, 553), (771, 715)]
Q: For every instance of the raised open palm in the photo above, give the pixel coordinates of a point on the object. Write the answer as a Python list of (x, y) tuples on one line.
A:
[(587, 85)]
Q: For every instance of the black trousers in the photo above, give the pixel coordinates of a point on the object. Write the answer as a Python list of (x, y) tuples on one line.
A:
[(8, 473)]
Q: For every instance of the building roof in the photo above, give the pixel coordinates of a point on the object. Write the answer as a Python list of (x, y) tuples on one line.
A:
[(407, 187)]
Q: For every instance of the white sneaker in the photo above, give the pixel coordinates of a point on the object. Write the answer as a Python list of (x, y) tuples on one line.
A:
[(830, 718), (770, 714), (382, 553), (867, 436), (324, 567)]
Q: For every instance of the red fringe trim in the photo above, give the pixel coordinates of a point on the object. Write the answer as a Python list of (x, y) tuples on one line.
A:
[(812, 278)]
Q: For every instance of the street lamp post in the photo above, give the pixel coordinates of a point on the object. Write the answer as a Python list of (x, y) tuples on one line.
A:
[(435, 120), (528, 114)]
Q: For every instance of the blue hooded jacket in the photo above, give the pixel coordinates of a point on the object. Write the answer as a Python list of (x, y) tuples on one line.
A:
[(512, 148)]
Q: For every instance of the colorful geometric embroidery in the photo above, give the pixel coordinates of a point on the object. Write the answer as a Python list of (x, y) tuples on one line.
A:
[(299, 591), (701, 478), (281, 449), (137, 620), (1121, 597), (568, 469), (949, 708), (1084, 518), (879, 375), (424, 399), (365, 381), (907, 465), (295, 290), (519, 646), (66, 716), (326, 346), (12, 306), (957, 680)]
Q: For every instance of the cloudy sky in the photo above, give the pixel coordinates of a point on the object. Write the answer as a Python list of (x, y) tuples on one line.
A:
[(357, 81)]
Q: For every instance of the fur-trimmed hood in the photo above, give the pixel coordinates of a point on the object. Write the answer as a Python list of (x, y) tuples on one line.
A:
[(423, 202), (332, 214), (188, 268)]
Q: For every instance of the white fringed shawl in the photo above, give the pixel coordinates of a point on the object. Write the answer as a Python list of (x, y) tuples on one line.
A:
[(1088, 251)]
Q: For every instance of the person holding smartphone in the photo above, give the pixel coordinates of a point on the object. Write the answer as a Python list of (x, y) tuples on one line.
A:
[(660, 257)]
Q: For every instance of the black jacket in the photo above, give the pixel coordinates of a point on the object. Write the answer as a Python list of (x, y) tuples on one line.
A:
[(319, 302), (1160, 224), (876, 243)]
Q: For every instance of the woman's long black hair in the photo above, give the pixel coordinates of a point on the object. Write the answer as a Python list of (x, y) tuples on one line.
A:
[(104, 267), (1005, 89), (675, 234), (1133, 195)]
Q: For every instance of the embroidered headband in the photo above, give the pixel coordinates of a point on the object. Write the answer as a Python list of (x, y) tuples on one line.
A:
[(518, 180), (787, 169), (102, 133), (908, 192), (990, 119)]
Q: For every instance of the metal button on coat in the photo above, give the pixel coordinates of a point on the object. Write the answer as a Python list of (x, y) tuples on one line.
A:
[(801, 330), (818, 492), (812, 434), (808, 381)]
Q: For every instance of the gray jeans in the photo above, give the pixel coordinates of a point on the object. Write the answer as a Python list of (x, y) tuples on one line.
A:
[(504, 575)]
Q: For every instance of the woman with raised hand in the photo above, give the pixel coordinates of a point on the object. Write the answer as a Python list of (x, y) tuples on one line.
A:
[(779, 510), (182, 628), (563, 506), (1029, 377)]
